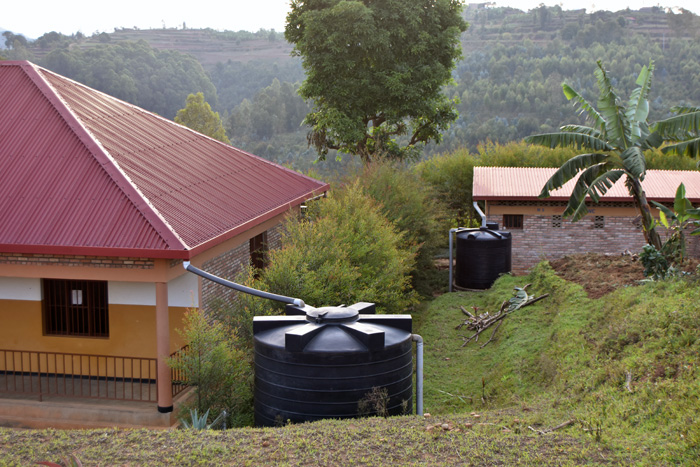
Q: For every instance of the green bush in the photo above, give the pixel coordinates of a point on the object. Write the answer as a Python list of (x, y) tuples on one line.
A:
[(451, 177), (415, 210), (219, 371), (344, 252)]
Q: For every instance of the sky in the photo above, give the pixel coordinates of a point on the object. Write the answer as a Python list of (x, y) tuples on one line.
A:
[(34, 18)]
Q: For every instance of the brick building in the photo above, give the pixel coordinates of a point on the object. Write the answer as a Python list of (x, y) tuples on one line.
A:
[(510, 198), (101, 203)]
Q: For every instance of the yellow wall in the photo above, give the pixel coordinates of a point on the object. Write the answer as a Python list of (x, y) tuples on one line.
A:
[(132, 331)]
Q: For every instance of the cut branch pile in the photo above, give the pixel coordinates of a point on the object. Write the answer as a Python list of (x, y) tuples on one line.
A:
[(480, 322)]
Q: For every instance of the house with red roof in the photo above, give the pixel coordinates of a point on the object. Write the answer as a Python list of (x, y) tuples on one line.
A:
[(101, 202), (510, 198)]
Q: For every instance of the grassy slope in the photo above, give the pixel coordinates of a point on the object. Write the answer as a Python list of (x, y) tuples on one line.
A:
[(565, 358), (569, 357)]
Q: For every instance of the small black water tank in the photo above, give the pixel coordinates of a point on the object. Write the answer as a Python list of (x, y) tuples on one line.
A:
[(321, 364), (482, 255)]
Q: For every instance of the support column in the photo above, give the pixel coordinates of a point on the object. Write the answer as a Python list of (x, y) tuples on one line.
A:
[(164, 382)]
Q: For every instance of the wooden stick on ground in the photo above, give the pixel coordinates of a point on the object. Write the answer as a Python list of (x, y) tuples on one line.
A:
[(479, 322), (558, 427)]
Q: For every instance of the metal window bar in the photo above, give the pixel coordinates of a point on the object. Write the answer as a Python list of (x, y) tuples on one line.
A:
[(177, 376), (75, 308), (77, 375)]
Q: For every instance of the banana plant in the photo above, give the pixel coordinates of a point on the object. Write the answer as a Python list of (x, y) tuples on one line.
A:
[(684, 215), (682, 131), (615, 140)]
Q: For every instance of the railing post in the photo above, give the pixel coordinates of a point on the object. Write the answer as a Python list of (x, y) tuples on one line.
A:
[(163, 379)]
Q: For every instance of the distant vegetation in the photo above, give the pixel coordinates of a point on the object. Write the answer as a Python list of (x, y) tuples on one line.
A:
[(509, 81)]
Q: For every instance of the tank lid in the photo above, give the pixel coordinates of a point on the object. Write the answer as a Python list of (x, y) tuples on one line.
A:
[(332, 315)]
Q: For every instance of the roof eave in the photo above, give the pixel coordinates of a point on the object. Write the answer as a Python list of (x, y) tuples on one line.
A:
[(111, 252), (616, 199), (256, 221)]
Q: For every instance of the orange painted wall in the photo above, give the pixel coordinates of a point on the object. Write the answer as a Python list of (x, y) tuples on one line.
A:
[(132, 331)]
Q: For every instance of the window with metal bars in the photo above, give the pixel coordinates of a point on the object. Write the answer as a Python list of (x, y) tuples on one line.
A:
[(75, 308), (258, 250), (512, 221)]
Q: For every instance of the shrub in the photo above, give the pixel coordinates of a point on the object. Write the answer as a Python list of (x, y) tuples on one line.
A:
[(451, 177), (344, 252), (414, 208), (220, 373)]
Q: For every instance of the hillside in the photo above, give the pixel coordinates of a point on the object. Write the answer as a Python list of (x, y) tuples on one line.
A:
[(210, 47), (570, 380), (488, 26), (508, 83)]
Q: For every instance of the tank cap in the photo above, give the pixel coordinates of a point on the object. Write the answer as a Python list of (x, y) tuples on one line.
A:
[(332, 314)]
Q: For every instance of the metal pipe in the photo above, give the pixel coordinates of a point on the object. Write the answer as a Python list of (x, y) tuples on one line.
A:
[(451, 232), (481, 213), (419, 372), (242, 288)]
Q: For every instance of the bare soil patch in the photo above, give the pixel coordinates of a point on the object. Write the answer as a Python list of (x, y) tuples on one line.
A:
[(600, 274)]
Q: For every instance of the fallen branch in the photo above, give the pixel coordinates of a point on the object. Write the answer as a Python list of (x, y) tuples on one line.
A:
[(480, 322), (628, 381), (558, 427)]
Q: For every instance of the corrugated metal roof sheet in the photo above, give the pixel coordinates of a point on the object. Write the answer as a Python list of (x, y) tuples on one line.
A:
[(525, 183), (82, 170)]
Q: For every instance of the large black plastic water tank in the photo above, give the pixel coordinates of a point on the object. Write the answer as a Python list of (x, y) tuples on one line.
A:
[(321, 364), (482, 255)]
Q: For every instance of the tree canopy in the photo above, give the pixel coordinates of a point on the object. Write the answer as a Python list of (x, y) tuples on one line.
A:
[(198, 115), (375, 72)]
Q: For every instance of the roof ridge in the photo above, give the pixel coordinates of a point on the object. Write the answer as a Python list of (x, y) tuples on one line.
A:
[(111, 167)]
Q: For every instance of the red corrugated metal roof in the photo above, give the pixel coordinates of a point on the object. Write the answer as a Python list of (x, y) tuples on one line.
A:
[(525, 183), (85, 173)]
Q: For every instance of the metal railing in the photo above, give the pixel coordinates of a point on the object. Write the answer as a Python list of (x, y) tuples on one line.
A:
[(78, 375), (178, 376)]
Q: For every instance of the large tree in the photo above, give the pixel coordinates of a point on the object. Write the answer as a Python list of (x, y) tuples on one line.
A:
[(375, 71), (198, 116)]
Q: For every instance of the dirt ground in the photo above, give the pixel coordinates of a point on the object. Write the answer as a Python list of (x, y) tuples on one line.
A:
[(600, 274)]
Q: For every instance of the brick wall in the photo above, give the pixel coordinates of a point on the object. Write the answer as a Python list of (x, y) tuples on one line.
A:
[(545, 237), (77, 260), (229, 265)]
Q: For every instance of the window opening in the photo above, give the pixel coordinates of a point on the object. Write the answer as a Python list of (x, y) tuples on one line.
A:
[(75, 308), (599, 222), (258, 251), (513, 221), (556, 221)]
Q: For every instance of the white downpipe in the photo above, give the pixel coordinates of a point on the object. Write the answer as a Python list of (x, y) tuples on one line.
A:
[(481, 213), (452, 231), (419, 372)]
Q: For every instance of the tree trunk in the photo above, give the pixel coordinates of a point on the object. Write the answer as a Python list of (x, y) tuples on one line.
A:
[(650, 234)]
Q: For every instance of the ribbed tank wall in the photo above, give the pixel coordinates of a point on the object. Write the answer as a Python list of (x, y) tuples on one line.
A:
[(337, 367), (482, 255)]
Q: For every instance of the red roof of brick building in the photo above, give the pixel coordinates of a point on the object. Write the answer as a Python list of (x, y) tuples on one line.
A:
[(525, 183), (85, 173)]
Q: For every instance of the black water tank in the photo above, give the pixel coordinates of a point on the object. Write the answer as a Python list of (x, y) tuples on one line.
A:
[(482, 255), (321, 364)]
